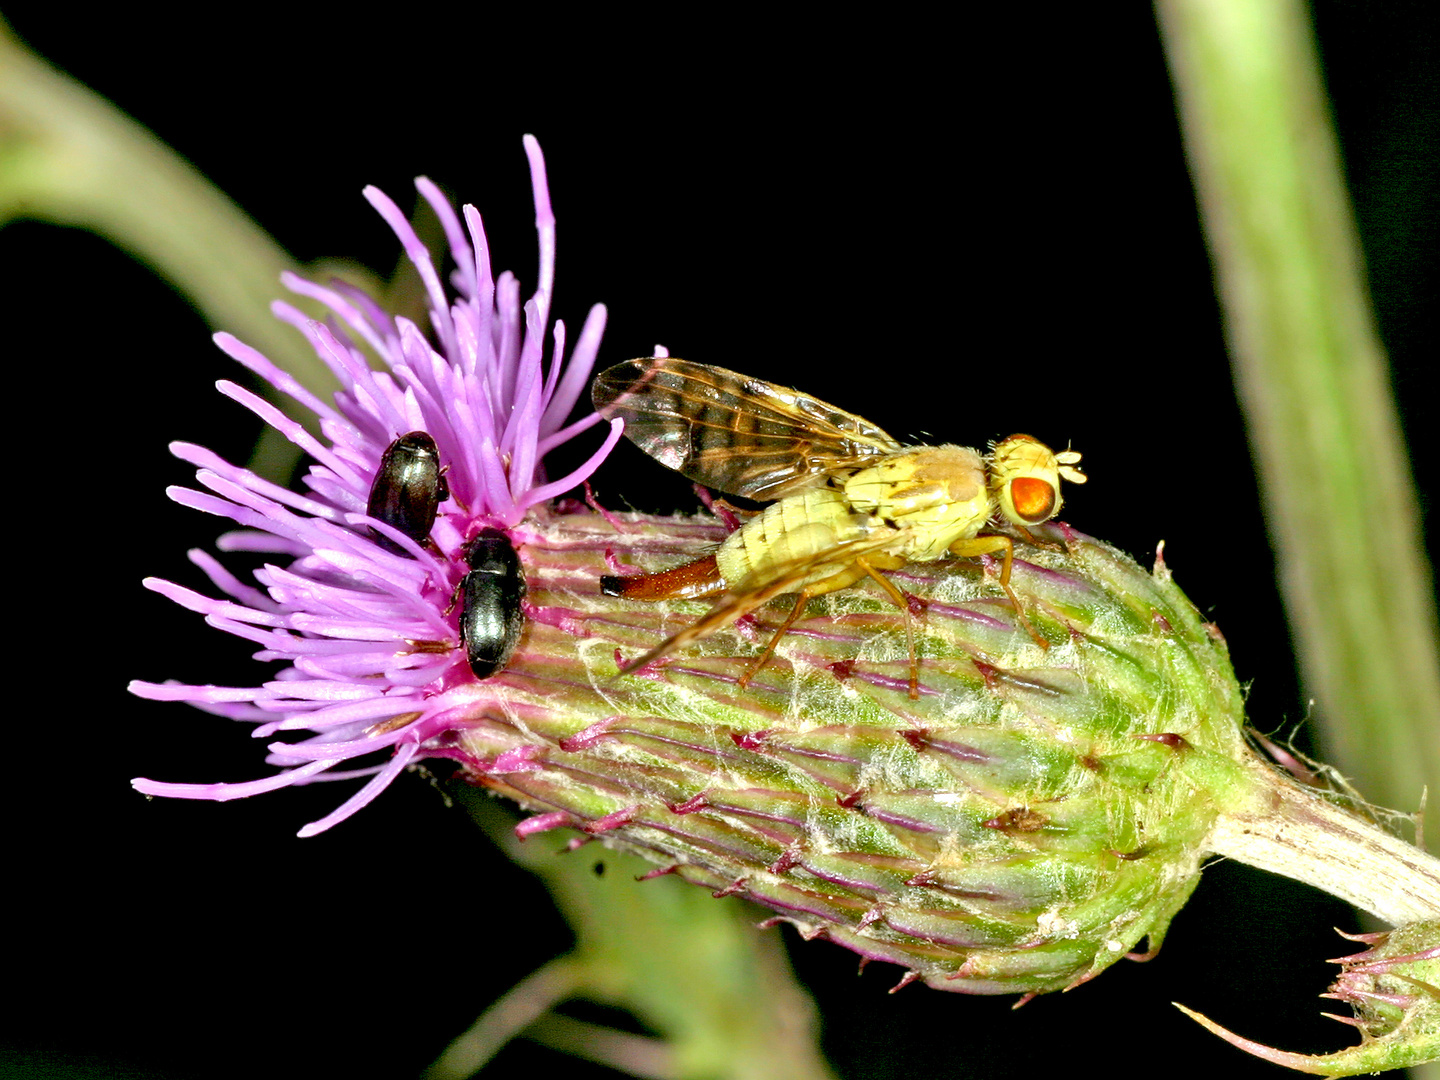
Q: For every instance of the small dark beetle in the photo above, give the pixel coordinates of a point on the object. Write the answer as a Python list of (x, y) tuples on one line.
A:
[(491, 617), (407, 489)]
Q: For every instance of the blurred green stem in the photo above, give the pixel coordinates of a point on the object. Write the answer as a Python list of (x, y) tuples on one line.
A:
[(1313, 381), (697, 971), (69, 157)]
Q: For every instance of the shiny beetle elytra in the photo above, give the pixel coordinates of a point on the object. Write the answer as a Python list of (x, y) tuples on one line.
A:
[(408, 488), (491, 595)]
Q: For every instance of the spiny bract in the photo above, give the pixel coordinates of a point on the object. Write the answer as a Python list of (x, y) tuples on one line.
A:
[(1019, 828)]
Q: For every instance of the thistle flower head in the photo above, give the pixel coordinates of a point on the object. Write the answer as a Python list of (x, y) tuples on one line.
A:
[(1025, 823), (362, 627), (1014, 823)]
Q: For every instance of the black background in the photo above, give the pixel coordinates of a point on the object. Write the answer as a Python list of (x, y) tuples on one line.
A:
[(956, 231)]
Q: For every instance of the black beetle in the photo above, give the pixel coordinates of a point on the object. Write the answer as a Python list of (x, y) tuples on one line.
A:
[(407, 489), (491, 616)]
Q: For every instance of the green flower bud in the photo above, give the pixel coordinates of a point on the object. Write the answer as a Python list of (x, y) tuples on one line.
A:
[(1024, 824)]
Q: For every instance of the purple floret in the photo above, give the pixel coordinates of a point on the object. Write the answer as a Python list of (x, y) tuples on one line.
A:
[(339, 609)]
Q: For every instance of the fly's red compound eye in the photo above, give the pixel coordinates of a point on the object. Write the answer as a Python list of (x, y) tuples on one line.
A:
[(1034, 498)]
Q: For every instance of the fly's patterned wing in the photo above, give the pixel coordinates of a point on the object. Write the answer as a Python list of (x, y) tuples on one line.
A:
[(733, 433)]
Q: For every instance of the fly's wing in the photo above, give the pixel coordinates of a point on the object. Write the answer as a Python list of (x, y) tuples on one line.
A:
[(737, 605), (733, 433)]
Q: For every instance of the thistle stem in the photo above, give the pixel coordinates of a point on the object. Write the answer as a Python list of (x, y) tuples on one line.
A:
[(1300, 833), (634, 1055), (74, 159), (1314, 382), (527, 1001)]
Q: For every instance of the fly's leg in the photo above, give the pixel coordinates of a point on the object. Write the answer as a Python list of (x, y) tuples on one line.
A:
[(1031, 538), (984, 545), (795, 613), (842, 578), (689, 581), (699, 578), (903, 603), (829, 585)]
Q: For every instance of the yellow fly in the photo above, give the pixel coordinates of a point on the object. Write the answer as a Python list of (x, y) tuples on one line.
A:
[(849, 501)]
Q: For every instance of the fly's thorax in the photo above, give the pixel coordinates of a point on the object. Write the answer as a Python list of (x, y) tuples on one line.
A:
[(788, 534), (935, 494)]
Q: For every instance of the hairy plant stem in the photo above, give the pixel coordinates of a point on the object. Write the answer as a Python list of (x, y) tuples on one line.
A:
[(1298, 832)]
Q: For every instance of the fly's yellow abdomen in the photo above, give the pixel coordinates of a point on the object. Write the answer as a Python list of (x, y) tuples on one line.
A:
[(788, 534)]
